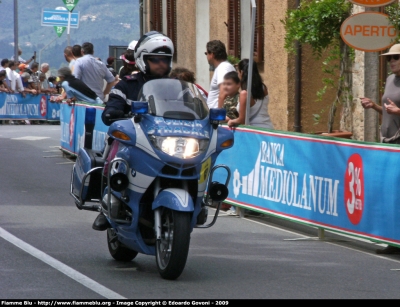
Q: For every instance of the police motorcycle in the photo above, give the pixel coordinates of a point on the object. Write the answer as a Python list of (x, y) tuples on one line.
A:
[(154, 180)]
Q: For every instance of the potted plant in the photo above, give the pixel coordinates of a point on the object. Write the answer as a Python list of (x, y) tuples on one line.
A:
[(317, 23)]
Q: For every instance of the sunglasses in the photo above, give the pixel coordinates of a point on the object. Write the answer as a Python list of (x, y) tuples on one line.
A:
[(159, 60), (394, 57)]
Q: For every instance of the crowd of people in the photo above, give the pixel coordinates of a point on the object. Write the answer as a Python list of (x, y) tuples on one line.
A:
[(18, 77), (88, 79)]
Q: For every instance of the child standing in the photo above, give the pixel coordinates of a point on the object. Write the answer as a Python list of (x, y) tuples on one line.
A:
[(231, 86)]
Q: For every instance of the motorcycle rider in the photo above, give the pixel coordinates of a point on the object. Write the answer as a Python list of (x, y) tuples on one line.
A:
[(153, 56)]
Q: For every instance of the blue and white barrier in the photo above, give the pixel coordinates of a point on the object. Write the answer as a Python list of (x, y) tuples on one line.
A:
[(72, 121), (36, 107), (339, 185)]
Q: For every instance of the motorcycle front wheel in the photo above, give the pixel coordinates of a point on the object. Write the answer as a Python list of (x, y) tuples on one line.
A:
[(117, 250), (173, 248)]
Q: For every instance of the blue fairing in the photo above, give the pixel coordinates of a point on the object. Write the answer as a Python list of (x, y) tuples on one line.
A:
[(125, 126), (174, 199), (224, 134)]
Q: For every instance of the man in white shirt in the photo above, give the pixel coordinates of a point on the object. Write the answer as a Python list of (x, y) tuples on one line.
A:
[(93, 72), (217, 57), (11, 76)]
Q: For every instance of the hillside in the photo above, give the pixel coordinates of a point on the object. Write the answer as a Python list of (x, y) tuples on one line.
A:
[(102, 22)]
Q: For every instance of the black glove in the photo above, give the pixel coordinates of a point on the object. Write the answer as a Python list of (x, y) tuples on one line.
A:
[(109, 115), (112, 114)]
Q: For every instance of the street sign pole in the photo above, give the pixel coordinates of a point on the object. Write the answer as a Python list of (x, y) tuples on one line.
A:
[(70, 4), (16, 55), (68, 29), (251, 60)]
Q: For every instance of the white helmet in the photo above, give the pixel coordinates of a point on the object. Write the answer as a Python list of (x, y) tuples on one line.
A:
[(152, 43), (132, 45)]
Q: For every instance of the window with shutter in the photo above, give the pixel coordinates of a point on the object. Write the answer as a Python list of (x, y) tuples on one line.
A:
[(156, 15), (233, 25), (171, 23), (259, 32)]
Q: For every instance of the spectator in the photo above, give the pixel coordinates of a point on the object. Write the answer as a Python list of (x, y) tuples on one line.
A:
[(22, 68), (75, 89), (34, 76), (45, 68), (185, 74), (69, 57), (390, 111), (21, 60), (124, 70), (3, 84), (110, 65), (26, 80), (110, 62), (217, 58), (5, 81), (128, 64), (44, 84), (93, 72), (258, 116), (11, 78), (52, 81), (231, 86), (4, 64), (77, 51)]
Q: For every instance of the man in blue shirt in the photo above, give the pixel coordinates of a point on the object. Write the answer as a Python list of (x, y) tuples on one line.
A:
[(93, 72)]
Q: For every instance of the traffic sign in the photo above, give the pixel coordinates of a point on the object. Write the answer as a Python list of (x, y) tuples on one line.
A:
[(59, 30), (369, 3), (70, 4), (369, 31), (59, 18)]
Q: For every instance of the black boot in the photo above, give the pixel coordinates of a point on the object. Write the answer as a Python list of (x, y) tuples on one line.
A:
[(101, 223)]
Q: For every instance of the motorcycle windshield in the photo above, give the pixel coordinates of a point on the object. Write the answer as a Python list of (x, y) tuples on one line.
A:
[(175, 99)]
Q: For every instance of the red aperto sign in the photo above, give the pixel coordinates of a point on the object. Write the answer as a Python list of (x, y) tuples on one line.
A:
[(372, 3), (369, 31)]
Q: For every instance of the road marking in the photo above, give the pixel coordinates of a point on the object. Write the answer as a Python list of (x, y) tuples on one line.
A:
[(31, 138), (70, 272), (56, 156)]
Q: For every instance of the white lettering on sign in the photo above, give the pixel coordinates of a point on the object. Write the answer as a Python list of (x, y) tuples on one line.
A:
[(307, 192), (369, 31), (64, 132), (22, 109)]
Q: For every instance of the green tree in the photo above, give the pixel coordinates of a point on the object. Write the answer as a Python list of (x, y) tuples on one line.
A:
[(317, 23)]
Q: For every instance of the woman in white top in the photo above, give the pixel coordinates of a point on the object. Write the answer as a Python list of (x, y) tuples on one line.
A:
[(259, 116)]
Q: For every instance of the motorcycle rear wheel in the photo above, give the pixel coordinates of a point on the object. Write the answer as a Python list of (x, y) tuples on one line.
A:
[(117, 250), (173, 248)]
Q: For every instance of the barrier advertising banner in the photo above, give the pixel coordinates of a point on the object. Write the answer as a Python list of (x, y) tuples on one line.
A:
[(36, 107), (72, 120), (346, 186)]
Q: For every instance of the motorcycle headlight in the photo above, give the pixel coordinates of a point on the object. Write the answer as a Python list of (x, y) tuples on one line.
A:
[(180, 147)]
